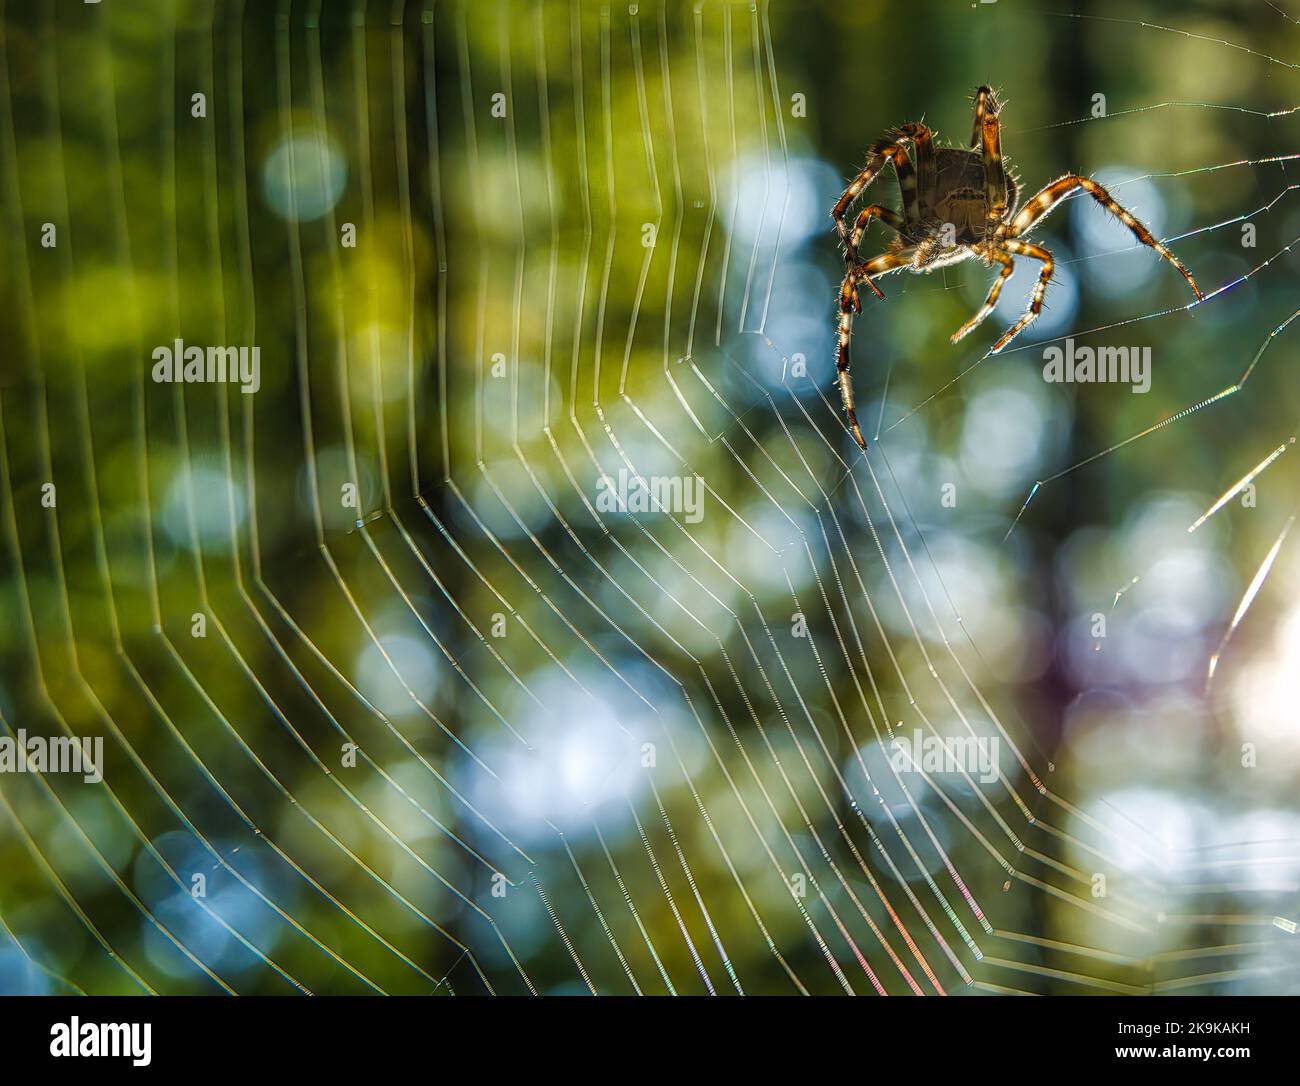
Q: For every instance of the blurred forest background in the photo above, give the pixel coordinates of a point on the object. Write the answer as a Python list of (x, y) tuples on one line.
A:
[(392, 700)]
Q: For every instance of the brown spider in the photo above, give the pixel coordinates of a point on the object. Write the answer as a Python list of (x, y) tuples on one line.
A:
[(957, 204)]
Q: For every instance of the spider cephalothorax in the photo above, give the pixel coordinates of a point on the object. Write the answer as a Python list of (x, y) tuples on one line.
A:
[(957, 204)]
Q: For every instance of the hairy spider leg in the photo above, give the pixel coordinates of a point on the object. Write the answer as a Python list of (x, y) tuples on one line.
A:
[(1028, 248), (879, 265), (1058, 190), (886, 150), (1008, 266), (988, 133), (927, 170), (849, 295)]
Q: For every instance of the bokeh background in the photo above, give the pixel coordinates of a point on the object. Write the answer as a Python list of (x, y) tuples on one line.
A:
[(391, 703)]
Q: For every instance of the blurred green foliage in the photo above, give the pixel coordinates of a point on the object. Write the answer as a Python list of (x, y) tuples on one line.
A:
[(591, 751)]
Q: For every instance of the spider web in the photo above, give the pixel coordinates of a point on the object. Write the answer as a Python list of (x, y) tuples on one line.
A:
[(479, 730)]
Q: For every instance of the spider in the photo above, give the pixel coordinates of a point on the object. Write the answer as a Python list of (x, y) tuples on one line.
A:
[(957, 204)]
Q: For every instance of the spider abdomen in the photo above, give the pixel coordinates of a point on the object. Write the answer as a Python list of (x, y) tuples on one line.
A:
[(965, 212), (960, 194)]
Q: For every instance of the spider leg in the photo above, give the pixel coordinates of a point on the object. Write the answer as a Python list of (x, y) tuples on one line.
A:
[(1028, 248), (887, 149), (1008, 265), (849, 289), (988, 133), (1058, 190), (927, 170), (879, 265), (890, 146)]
